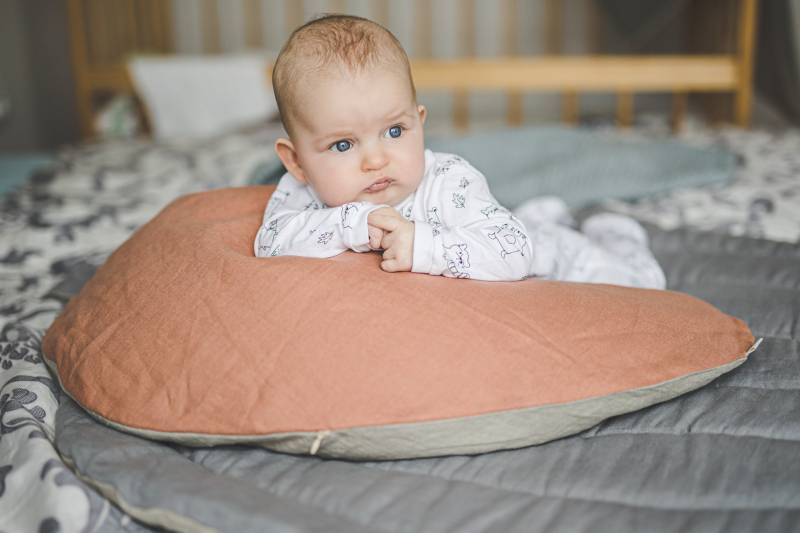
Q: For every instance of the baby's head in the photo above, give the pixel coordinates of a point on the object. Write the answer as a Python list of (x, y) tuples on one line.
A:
[(347, 100)]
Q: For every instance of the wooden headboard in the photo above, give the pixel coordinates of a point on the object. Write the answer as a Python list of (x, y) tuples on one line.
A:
[(104, 33)]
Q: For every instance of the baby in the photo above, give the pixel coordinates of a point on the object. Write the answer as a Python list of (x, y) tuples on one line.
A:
[(359, 178)]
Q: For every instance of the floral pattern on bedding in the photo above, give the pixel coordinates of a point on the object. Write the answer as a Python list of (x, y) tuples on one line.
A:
[(55, 232), (763, 201), (63, 224), (37, 491)]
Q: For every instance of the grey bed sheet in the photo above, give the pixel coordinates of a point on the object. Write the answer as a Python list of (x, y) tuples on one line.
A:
[(723, 458)]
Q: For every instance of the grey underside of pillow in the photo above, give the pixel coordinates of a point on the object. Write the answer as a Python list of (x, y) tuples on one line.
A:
[(469, 435), (676, 466), (583, 167)]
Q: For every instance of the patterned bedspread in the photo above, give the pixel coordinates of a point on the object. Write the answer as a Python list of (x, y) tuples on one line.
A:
[(55, 232), (762, 202), (63, 224)]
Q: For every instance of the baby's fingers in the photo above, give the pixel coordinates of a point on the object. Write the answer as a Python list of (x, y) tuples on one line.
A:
[(387, 240), (386, 222), (394, 262), (384, 211), (375, 237), (390, 265)]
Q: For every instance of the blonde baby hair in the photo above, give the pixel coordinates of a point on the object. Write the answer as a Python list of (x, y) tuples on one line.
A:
[(347, 41)]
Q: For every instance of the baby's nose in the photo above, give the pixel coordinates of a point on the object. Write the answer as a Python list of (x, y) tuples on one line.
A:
[(374, 159)]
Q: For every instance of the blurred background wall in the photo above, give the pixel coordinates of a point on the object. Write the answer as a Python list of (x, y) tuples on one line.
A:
[(37, 99), (37, 109)]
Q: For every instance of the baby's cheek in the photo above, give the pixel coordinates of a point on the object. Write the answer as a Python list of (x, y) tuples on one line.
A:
[(337, 185), (412, 165)]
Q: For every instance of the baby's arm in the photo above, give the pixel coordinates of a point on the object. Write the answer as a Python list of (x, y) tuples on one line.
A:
[(295, 223), (468, 234)]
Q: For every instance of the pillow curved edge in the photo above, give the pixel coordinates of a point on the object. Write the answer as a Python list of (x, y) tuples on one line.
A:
[(514, 429)]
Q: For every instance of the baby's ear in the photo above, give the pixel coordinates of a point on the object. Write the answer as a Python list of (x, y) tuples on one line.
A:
[(423, 113), (288, 156)]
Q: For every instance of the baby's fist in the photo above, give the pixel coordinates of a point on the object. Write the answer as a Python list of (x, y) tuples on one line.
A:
[(398, 246), (375, 237), (398, 239)]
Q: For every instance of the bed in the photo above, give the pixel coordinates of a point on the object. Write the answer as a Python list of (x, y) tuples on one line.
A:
[(722, 458)]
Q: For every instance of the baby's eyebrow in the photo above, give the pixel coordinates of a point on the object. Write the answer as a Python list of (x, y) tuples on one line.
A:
[(399, 114), (336, 135)]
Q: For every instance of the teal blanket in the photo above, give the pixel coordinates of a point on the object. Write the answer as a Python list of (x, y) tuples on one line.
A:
[(583, 167)]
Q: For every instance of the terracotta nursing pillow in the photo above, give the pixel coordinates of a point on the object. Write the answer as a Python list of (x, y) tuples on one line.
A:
[(184, 336)]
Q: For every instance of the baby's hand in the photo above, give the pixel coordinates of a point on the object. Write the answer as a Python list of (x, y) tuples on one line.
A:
[(375, 237), (398, 239)]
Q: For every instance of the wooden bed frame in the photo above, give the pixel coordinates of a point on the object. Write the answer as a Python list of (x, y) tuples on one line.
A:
[(105, 32)]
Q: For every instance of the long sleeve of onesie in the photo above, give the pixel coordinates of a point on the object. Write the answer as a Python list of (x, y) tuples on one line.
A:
[(466, 232), (297, 223)]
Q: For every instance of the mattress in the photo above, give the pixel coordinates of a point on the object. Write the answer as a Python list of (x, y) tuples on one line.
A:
[(722, 458)]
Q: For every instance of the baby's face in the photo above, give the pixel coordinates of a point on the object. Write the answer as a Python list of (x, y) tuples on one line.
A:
[(359, 137)]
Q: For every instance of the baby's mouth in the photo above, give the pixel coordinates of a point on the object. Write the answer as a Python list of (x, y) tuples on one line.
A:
[(379, 185)]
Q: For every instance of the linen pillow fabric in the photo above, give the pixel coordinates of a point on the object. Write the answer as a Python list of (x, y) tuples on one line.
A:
[(184, 336)]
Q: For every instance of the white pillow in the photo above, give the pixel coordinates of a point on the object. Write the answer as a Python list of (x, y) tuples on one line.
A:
[(191, 97)]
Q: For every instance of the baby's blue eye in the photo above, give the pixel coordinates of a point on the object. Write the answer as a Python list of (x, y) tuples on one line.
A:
[(341, 146), (394, 132)]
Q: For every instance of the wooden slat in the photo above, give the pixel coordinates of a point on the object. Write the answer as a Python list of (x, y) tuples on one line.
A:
[(591, 73), (210, 25), (747, 24), (145, 34), (509, 30), (624, 108), (134, 23), (532, 74), (460, 109), (253, 29), (109, 78), (100, 46), (337, 6), (423, 38), (514, 110), (80, 65), (161, 18), (467, 49), (152, 27), (121, 17), (679, 100), (595, 28), (96, 40), (712, 29), (168, 37), (466, 28), (294, 15), (380, 12), (569, 107), (514, 99), (554, 36)]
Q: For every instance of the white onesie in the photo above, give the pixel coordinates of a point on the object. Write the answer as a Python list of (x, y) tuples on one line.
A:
[(460, 231)]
